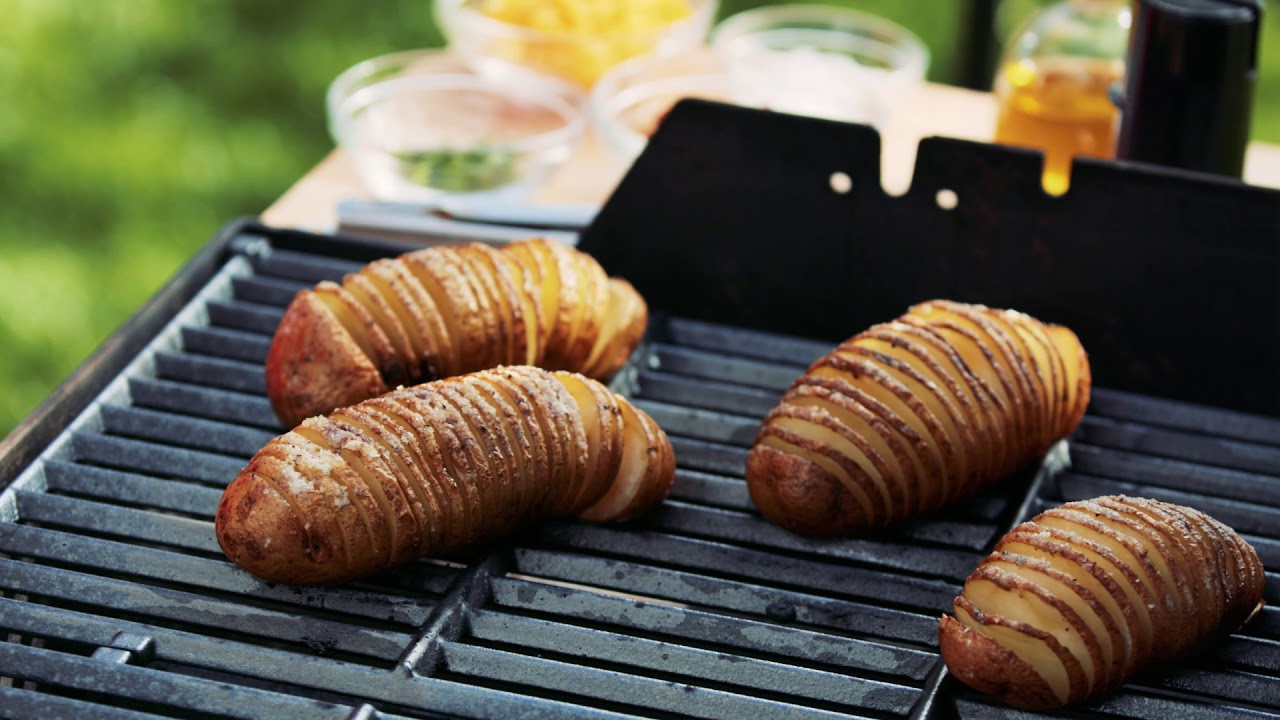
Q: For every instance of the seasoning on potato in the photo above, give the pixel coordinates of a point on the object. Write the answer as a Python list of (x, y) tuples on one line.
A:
[(439, 467), (1073, 602), (910, 415)]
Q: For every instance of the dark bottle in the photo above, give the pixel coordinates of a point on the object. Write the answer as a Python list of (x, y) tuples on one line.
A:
[(1188, 92)]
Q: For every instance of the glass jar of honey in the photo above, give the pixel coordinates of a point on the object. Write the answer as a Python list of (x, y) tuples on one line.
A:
[(1054, 82)]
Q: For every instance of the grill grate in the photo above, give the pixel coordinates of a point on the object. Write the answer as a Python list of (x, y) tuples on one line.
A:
[(119, 604)]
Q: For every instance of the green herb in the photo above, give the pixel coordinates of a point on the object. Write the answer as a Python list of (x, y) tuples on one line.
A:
[(474, 169)]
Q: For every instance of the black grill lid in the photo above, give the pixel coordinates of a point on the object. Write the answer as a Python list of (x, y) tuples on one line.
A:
[(117, 602)]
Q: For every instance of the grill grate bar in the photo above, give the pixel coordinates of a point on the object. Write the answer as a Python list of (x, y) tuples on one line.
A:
[(170, 567), (709, 457), (1160, 412), (120, 487), (1239, 687), (654, 656), (686, 623), (249, 317), (751, 529), (1250, 654), (266, 290), (706, 394), (296, 669), (711, 592), (155, 686), (787, 350), (1174, 474), (713, 490), (307, 268), (203, 402), (1122, 705), (702, 424), (20, 704), (1180, 445), (716, 366), (746, 563), (223, 343), (181, 431), (154, 458), (199, 610), (213, 372), (617, 687), (170, 530)]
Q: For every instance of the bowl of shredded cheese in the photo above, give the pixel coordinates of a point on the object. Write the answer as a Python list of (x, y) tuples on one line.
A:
[(577, 40)]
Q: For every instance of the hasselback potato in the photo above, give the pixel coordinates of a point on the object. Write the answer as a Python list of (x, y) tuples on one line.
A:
[(446, 311), (912, 414), (438, 467), (1074, 601)]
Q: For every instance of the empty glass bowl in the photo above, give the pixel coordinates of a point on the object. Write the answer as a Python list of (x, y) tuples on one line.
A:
[(579, 52), (822, 61), (629, 102), (419, 128)]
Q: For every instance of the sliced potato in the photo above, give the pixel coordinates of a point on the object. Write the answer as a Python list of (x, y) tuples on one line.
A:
[(1110, 585), (958, 396)]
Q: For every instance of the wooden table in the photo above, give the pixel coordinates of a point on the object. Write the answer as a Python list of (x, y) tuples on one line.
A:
[(593, 173)]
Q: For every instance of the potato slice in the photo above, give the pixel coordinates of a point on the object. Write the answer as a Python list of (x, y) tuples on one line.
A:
[(940, 406), (366, 292), (993, 416), (1079, 378), (517, 444), (1036, 385), (592, 422), (497, 331), (1019, 664), (933, 442), (807, 487), (1095, 580), (1004, 361), (404, 443), (1121, 583), (593, 299), (407, 511), (529, 435), (865, 465), (1000, 593), (644, 475), (418, 313), (1048, 364), (553, 496), (560, 410), (494, 457), (624, 327), (450, 461), (924, 468), (303, 371), (543, 279), (897, 482), (1101, 635), (899, 345), (560, 271), (439, 486), (374, 545)]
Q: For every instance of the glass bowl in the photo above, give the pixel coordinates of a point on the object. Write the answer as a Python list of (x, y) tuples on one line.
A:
[(420, 129), (819, 60), (580, 55), (629, 102)]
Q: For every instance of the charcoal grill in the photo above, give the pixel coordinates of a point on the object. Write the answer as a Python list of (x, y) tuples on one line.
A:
[(115, 602)]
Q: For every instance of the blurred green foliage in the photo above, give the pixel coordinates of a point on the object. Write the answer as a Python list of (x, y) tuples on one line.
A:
[(130, 130)]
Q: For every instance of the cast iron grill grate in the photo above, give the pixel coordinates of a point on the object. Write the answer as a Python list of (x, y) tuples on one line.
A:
[(117, 602)]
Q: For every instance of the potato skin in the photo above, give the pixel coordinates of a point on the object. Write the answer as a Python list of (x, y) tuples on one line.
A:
[(339, 496), (314, 362), (591, 324), (1214, 593), (868, 422)]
